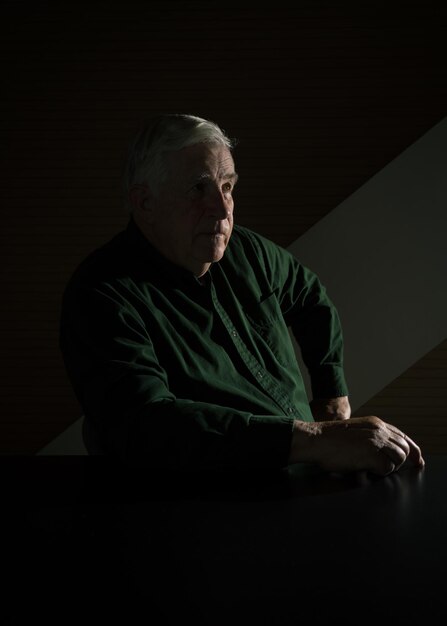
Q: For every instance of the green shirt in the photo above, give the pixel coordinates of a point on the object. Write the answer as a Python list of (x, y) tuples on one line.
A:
[(175, 372)]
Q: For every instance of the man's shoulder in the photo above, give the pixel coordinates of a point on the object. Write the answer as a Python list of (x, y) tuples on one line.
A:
[(244, 236), (101, 264), (254, 246)]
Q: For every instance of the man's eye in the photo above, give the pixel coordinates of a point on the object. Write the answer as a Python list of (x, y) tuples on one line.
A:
[(199, 187), (227, 187)]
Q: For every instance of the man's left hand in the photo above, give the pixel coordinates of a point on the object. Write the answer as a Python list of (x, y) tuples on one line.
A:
[(325, 409)]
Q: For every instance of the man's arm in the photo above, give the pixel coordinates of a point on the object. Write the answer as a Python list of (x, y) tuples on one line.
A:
[(313, 318), (335, 441)]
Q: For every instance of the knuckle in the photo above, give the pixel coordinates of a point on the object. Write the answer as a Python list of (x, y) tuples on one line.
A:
[(376, 422)]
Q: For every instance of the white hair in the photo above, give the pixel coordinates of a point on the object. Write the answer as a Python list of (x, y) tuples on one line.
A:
[(166, 133)]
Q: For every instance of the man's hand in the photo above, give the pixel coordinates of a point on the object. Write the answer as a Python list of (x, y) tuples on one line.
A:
[(324, 409), (359, 443)]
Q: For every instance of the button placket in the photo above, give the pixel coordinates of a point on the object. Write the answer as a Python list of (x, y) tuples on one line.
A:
[(268, 384)]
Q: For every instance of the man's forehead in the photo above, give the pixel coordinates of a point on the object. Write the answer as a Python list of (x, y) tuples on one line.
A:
[(204, 159)]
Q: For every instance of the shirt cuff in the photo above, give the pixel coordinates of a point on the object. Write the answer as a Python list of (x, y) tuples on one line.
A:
[(268, 441), (328, 381)]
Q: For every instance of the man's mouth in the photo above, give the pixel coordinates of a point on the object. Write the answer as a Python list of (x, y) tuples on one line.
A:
[(214, 233)]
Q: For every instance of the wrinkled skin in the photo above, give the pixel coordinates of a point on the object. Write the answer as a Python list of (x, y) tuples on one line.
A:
[(354, 444)]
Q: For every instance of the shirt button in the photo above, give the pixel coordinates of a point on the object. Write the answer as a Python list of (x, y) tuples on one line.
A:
[(259, 374), (234, 333), (290, 409)]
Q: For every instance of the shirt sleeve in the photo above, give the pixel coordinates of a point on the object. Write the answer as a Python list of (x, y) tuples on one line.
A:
[(124, 393), (311, 315)]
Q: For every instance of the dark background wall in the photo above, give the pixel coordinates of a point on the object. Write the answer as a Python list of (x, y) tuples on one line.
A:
[(321, 96)]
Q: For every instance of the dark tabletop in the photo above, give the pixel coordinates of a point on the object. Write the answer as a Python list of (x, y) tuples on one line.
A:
[(84, 540)]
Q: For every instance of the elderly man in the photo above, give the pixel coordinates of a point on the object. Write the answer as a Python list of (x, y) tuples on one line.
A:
[(175, 333)]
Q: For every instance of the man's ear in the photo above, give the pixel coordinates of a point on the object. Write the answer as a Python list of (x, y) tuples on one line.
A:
[(140, 198)]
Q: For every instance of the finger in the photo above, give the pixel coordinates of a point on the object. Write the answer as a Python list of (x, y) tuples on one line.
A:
[(408, 448), (401, 442), (395, 453), (415, 453), (382, 465), (413, 450)]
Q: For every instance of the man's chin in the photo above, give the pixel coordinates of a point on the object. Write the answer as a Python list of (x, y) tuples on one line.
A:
[(212, 253), (218, 254), (215, 258)]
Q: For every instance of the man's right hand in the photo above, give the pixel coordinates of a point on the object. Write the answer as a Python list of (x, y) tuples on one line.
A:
[(359, 443)]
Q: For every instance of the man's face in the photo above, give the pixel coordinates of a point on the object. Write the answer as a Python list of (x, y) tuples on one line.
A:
[(191, 217)]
